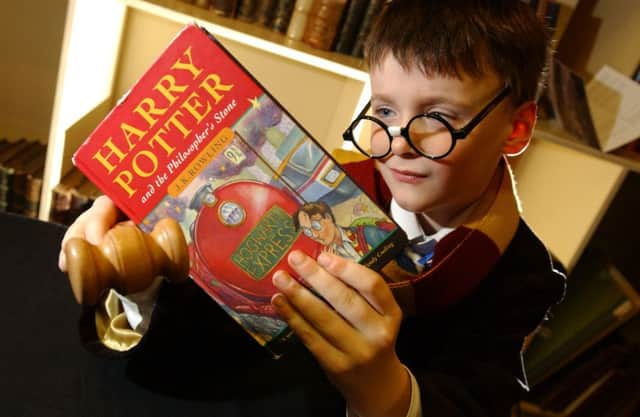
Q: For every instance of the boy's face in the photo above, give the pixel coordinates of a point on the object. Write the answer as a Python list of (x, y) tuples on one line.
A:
[(318, 227), (439, 188)]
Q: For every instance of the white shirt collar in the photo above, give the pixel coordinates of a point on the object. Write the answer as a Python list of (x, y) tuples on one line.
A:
[(408, 221)]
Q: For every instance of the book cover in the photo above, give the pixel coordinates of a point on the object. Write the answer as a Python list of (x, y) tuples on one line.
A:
[(199, 139)]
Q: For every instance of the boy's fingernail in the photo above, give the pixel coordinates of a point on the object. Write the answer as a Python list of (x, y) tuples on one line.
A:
[(278, 300), (280, 280), (324, 259), (296, 258)]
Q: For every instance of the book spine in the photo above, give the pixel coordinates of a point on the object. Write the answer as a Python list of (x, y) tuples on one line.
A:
[(223, 7), (247, 10), (32, 197), (265, 12), (200, 3), (282, 15), (371, 12), (5, 177), (322, 24), (351, 24), (298, 21)]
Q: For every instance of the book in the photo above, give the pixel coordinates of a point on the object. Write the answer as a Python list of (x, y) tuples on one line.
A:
[(199, 139), (322, 23), (14, 167), (224, 7), (247, 10), (10, 150), (26, 181), (67, 202), (282, 15), (298, 21), (569, 103), (373, 9), (351, 21)]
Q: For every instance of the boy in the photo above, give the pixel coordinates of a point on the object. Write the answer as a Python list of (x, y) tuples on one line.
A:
[(453, 87)]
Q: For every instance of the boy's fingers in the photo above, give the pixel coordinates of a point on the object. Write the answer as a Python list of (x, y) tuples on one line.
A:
[(310, 312), (102, 215), (366, 282), (342, 297), (91, 225)]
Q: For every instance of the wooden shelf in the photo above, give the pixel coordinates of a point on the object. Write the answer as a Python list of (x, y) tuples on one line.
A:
[(551, 131), (254, 35)]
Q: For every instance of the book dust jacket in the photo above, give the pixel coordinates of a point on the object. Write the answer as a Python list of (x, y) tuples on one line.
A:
[(197, 138)]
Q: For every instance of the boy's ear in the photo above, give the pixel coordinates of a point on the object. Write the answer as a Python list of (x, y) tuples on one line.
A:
[(524, 122)]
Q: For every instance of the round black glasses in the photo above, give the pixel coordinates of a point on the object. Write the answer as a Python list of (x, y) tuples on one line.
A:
[(425, 132)]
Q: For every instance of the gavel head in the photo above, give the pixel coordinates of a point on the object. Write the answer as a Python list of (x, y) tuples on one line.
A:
[(127, 260)]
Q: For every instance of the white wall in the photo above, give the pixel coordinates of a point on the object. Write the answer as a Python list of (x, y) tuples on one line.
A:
[(30, 40)]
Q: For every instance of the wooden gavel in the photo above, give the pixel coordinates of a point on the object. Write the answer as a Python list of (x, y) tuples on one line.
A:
[(127, 260)]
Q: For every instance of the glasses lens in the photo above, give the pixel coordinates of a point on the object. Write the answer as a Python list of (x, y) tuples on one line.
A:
[(430, 135), (371, 137)]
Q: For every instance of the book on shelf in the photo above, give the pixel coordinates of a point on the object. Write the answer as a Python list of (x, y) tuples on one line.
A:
[(225, 8), (72, 196), (373, 9), (247, 10), (26, 182), (199, 139), (603, 114), (298, 20), (17, 172), (8, 152), (599, 299), (351, 22), (567, 95), (282, 15), (323, 22)]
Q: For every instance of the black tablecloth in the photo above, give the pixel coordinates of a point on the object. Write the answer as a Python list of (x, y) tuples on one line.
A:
[(44, 369)]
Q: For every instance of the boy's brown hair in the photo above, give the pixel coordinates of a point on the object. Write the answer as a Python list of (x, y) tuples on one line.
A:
[(473, 36)]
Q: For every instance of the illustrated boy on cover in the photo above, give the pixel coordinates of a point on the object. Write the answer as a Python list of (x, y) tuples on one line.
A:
[(453, 89), (317, 222)]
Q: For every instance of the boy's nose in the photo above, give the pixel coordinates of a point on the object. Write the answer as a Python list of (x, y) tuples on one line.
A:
[(399, 143)]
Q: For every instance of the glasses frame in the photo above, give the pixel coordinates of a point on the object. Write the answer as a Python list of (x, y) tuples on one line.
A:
[(456, 134)]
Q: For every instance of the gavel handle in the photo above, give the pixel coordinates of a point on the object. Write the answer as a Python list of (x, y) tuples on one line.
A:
[(127, 260)]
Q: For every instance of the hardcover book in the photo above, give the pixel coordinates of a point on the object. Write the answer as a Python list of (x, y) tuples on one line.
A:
[(197, 138)]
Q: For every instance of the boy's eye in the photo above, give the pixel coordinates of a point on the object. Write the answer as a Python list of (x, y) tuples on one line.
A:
[(383, 113)]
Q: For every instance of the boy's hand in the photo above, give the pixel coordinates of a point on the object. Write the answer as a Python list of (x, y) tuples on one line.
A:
[(91, 225), (354, 341)]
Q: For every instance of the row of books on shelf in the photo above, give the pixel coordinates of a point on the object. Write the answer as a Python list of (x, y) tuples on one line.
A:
[(21, 171), (329, 25), (73, 195)]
